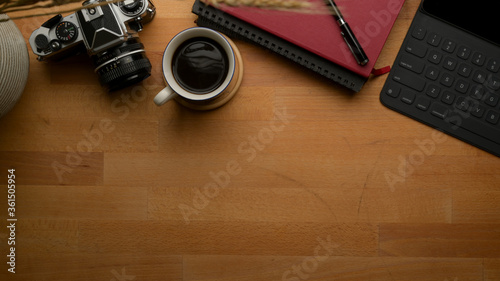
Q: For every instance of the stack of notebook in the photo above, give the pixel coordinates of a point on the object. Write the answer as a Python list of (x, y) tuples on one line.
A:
[(312, 40)]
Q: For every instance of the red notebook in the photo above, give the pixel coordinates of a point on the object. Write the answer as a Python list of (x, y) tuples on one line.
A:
[(319, 33)]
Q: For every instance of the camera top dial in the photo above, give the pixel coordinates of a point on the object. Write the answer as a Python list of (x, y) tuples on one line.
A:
[(66, 31), (131, 8)]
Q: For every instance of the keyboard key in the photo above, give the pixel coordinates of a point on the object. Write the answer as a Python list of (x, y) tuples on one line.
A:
[(492, 99), (422, 103), (434, 39), (464, 70), (435, 57), (433, 91), (477, 110), (463, 52), (447, 79), (478, 59), (393, 91), (493, 83), (412, 63), (492, 117), (418, 33), (450, 63), (439, 110), (493, 65), (432, 73), (448, 97), (462, 86), (463, 104), (479, 76), (416, 49), (407, 97), (477, 92), (409, 79), (449, 46)]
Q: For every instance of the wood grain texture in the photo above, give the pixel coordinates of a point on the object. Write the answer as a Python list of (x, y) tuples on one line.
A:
[(492, 269), (225, 238), (98, 267), (54, 168), (332, 268), (439, 240), (294, 179)]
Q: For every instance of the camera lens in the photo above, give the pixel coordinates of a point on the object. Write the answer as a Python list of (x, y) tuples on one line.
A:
[(122, 66)]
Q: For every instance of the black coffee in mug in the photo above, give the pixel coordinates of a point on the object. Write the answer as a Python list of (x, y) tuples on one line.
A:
[(200, 65)]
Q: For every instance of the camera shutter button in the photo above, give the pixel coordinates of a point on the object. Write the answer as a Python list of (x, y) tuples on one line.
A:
[(41, 42)]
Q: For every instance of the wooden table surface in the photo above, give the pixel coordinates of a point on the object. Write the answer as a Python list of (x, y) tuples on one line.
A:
[(294, 179)]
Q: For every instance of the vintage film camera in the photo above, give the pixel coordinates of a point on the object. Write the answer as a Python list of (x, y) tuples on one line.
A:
[(108, 33)]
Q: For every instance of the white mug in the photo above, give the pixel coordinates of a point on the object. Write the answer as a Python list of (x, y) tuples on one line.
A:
[(213, 97)]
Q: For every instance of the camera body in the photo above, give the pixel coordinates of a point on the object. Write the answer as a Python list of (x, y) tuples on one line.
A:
[(108, 32)]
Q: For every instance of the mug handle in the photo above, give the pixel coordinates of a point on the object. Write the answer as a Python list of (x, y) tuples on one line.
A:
[(164, 95)]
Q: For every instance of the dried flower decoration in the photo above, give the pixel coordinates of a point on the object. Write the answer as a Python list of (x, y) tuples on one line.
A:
[(298, 6), (266, 4), (13, 6), (303, 6)]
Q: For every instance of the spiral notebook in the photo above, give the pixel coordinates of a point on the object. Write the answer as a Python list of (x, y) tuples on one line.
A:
[(311, 40)]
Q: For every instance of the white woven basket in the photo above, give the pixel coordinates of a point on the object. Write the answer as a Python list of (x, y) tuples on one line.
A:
[(14, 64)]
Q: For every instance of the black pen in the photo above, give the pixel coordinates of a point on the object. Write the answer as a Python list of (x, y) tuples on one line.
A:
[(349, 37)]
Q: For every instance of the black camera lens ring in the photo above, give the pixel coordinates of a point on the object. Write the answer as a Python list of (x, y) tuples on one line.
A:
[(126, 75), (117, 58), (123, 65), (108, 55)]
